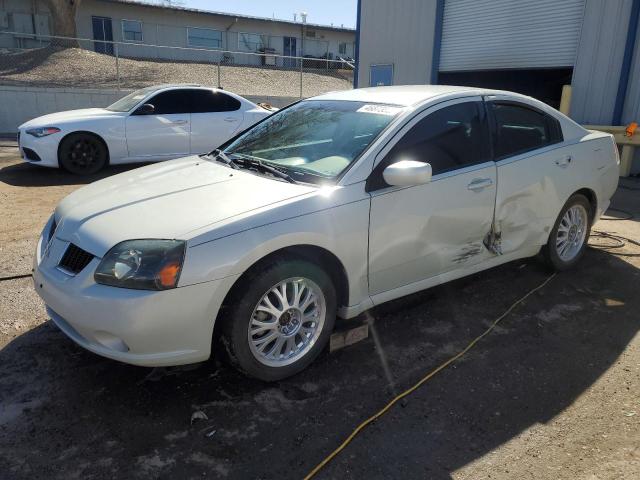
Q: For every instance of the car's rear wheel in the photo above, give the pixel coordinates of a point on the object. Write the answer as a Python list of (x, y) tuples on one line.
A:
[(82, 154), (568, 238), (279, 319)]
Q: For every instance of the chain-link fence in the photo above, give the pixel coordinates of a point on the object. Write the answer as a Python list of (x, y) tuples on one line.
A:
[(53, 61)]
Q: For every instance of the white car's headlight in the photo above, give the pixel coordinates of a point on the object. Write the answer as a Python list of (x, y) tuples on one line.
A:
[(142, 264), (43, 131)]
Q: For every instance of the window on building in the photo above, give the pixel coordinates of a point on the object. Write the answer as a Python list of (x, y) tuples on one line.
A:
[(342, 49), (207, 101), (132, 30), (251, 41), (204, 37), (311, 33), (450, 138), (520, 129)]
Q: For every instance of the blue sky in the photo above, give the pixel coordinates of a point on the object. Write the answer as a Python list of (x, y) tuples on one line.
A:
[(323, 12)]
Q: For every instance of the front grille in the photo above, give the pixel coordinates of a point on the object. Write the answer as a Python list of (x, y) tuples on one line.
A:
[(75, 259)]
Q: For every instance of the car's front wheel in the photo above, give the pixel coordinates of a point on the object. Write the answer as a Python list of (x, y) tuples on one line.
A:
[(82, 154), (279, 319), (568, 238)]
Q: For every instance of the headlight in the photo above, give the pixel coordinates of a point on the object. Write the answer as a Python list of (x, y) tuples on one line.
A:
[(43, 131), (142, 264)]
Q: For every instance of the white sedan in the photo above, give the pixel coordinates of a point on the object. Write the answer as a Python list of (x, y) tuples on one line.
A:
[(327, 208), (152, 124)]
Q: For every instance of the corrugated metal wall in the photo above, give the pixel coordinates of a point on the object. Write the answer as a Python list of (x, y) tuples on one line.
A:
[(597, 70), (399, 33), (501, 34)]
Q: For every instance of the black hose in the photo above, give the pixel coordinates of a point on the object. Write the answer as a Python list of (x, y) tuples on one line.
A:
[(14, 277)]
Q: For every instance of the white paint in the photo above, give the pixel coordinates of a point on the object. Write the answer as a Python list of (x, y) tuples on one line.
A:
[(390, 242), (21, 104)]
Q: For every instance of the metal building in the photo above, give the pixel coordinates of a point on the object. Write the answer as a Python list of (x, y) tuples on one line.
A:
[(530, 47)]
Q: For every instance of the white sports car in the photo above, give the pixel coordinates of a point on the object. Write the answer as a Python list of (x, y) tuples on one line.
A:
[(328, 207), (152, 124)]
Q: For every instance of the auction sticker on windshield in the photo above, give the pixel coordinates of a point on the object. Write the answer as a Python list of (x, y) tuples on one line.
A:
[(380, 109)]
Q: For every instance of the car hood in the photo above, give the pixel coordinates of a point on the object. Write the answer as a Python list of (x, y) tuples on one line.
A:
[(51, 119), (167, 200)]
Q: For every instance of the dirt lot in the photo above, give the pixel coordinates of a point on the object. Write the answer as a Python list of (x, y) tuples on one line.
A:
[(66, 67), (553, 392)]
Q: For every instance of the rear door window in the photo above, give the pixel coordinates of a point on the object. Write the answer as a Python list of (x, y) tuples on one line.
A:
[(209, 101), (520, 128)]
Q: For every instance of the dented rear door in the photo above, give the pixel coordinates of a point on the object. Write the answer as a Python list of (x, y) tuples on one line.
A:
[(534, 170)]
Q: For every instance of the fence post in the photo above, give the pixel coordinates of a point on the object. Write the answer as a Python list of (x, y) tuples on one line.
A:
[(117, 65), (301, 65), (218, 73)]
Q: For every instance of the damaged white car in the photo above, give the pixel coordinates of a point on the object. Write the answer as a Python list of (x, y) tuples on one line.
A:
[(324, 209)]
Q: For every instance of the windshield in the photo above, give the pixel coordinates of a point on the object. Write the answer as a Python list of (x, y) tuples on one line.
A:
[(127, 103), (314, 140)]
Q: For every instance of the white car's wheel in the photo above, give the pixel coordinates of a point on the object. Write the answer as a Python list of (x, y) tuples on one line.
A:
[(280, 319), (568, 238), (82, 154)]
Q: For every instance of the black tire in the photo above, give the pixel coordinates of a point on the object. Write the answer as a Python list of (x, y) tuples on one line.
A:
[(550, 251), (238, 311), (82, 154)]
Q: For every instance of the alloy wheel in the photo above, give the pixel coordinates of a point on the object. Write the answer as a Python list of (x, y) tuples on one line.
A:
[(287, 322), (571, 233)]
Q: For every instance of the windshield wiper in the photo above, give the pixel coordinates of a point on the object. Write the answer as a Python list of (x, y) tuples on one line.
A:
[(222, 157), (260, 165)]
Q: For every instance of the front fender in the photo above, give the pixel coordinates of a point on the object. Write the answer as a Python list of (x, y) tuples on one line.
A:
[(342, 230)]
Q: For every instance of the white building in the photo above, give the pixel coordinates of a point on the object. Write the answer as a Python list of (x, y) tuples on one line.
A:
[(142, 27)]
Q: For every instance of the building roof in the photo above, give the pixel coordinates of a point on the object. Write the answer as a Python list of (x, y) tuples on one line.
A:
[(405, 95), (229, 15)]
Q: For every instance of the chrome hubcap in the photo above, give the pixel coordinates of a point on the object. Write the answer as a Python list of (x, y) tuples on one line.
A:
[(287, 322), (571, 233)]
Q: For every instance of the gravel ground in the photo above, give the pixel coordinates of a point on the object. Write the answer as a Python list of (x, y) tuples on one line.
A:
[(552, 393), (56, 67)]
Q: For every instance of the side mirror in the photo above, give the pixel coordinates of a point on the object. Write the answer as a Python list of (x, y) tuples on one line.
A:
[(406, 173), (146, 109)]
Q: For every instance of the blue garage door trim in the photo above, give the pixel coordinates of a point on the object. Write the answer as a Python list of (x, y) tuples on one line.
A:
[(625, 71), (437, 42), (357, 47)]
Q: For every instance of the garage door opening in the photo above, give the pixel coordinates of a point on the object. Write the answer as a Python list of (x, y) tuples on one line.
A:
[(545, 84)]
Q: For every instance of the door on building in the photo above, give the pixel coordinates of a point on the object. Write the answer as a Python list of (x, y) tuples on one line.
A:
[(380, 75), (519, 45), (102, 33), (289, 48)]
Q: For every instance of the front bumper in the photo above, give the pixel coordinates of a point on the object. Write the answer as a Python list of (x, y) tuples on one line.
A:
[(147, 328), (45, 149)]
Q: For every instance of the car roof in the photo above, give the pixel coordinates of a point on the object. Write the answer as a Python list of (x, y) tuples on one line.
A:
[(404, 95)]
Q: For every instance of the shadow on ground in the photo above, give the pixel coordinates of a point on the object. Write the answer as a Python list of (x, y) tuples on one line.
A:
[(69, 413), (28, 175)]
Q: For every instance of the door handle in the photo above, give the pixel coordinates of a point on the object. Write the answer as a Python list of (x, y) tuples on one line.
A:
[(564, 161), (179, 122), (230, 119), (478, 184)]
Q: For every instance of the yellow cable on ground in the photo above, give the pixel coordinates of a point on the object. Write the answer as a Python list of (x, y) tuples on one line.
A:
[(424, 379)]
